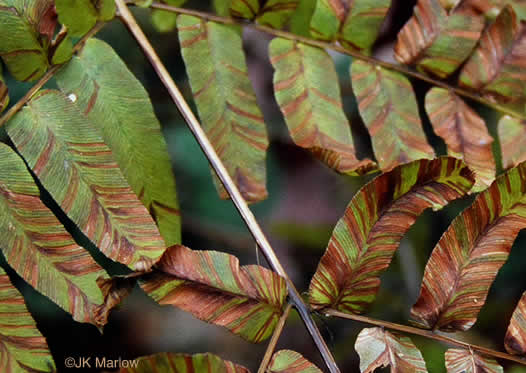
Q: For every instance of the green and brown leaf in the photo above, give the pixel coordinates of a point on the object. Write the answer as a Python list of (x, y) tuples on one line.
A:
[(22, 347), (226, 102), (70, 158), (366, 237), (276, 13), (163, 20), (466, 361), (380, 348), (327, 18), (363, 23), (117, 104), (183, 363), (512, 136), (39, 248), (213, 287), (464, 132), (355, 24), (307, 91), (299, 22), (515, 339), (114, 290), (497, 67), (62, 49), (244, 8), (467, 258), (437, 40), (388, 107), (27, 28), (287, 361), (80, 16)]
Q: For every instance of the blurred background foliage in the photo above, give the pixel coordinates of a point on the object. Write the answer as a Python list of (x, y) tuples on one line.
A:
[(305, 201)]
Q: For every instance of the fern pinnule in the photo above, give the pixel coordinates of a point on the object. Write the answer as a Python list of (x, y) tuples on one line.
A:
[(307, 90), (465, 261), (366, 237), (464, 133)]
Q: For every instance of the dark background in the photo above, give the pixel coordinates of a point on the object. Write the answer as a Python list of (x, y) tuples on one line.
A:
[(306, 199)]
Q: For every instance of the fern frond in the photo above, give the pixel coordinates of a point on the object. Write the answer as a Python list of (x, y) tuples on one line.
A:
[(380, 348), (299, 32), (438, 40), (118, 105), (212, 286), (20, 340), (300, 19), (25, 51), (92, 11), (388, 107), (75, 166), (464, 132), (366, 237), (466, 260), (307, 91), (276, 13), (39, 248), (466, 361), (497, 66), (355, 24), (244, 8), (226, 102)]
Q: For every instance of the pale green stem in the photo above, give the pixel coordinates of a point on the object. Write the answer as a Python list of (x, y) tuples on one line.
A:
[(227, 181), (274, 340)]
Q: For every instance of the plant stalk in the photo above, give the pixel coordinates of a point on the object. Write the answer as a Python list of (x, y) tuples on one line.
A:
[(337, 48), (274, 340), (227, 181), (424, 333)]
